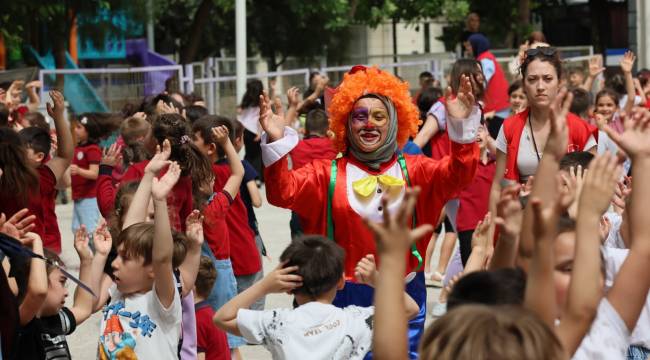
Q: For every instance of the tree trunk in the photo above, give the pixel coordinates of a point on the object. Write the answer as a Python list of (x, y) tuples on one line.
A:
[(523, 12), (598, 11), (199, 22), (58, 51)]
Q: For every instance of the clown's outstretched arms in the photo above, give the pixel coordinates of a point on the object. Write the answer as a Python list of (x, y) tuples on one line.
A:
[(372, 116)]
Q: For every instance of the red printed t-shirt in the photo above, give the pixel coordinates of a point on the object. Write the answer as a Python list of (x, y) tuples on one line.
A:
[(215, 228), (312, 148), (179, 200), (474, 199), (52, 238), (11, 204), (210, 339), (84, 156), (243, 252)]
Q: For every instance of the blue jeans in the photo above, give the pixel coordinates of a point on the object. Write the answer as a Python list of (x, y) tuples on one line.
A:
[(85, 212), (363, 295), (224, 289), (635, 352)]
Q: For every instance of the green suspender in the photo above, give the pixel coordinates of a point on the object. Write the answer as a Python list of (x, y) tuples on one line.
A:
[(330, 197)]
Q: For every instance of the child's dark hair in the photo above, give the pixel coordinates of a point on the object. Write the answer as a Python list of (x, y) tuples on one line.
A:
[(4, 115), (495, 287), (36, 139), (149, 104), (554, 59), (174, 128), (137, 240), (195, 112), (123, 198), (18, 179), (37, 119), (52, 257), (610, 93), (516, 85), (206, 277), (581, 102), (317, 122), (22, 275), (644, 76), (615, 80), (319, 261), (238, 129), (582, 158), (204, 127), (98, 125), (133, 130), (427, 98), (251, 98), (468, 67)]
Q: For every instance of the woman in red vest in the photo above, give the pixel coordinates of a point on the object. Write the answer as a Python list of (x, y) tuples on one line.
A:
[(522, 137), (496, 105)]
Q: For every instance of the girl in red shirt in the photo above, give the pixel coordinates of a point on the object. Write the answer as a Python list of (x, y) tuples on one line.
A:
[(89, 129)]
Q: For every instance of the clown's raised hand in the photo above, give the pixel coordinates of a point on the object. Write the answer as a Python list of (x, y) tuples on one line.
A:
[(461, 106), (272, 124)]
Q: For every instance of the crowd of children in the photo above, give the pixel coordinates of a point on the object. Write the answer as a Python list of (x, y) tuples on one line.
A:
[(538, 184)]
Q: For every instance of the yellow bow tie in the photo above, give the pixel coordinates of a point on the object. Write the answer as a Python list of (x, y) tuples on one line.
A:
[(366, 186)]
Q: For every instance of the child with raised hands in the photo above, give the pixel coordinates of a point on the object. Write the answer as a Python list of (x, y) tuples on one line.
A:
[(311, 269), (44, 337), (143, 316)]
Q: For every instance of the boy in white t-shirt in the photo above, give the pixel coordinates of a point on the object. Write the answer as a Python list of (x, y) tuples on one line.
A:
[(143, 317), (311, 269)]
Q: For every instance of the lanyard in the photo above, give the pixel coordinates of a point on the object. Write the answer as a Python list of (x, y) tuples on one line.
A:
[(532, 135)]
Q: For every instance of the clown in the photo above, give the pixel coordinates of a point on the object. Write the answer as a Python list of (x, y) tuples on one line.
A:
[(372, 116)]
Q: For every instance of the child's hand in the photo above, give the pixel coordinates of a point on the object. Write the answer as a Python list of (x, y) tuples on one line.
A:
[(366, 271), (559, 135), (627, 62), (480, 237), (599, 185), (30, 239), (112, 156), (74, 169), (194, 227), (161, 159), (596, 66), (160, 188), (394, 235), (603, 228), (81, 241), (293, 96), (56, 111), (462, 105), (282, 279), (102, 238), (509, 212), (163, 108), (220, 134), (634, 139), (272, 124), (17, 225), (573, 188)]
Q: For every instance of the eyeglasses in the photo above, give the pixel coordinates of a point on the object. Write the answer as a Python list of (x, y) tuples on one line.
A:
[(544, 50)]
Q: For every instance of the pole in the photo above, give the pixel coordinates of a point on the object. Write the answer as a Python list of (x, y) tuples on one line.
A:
[(240, 39), (395, 46), (150, 35)]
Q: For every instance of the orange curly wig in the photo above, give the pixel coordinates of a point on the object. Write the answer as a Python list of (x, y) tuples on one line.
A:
[(360, 81)]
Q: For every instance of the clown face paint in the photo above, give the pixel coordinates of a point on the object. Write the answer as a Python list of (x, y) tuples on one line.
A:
[(369, 124)]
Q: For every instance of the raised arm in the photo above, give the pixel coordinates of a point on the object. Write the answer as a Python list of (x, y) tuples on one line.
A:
[(99, 281), (65, 149), (163, 247), (595, 68), (630, 289), (190, 266), (627, 63), (138, 209), (293, 97), (36, 283), (254, 191), (508, 221), (585, 289), (427, 131), (83, 300), (220, 135), (393, 238)]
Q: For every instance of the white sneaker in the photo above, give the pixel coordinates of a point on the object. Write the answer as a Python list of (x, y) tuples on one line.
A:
[(438, 309)]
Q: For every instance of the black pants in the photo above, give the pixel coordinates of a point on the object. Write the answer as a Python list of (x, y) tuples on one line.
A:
[(465, 242), (494, 125), (253, 152)]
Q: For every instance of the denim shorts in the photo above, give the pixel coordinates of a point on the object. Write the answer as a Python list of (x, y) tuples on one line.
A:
[(224, 289), (85, 212)]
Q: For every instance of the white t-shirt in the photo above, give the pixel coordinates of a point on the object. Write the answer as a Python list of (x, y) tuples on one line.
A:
[(311, 331), (614, 259), (606, 144), (440, 112), (527, 160), (608, 337), (614, 239), (140, 327)]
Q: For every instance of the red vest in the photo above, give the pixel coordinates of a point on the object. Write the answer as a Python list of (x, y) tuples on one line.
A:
[(579, 133), (496, 94)]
